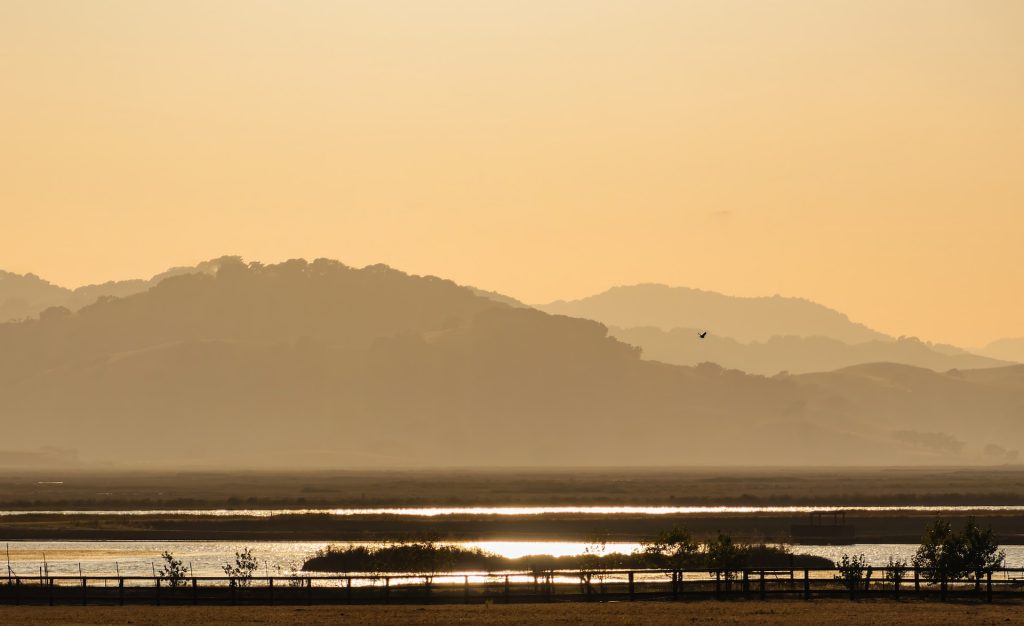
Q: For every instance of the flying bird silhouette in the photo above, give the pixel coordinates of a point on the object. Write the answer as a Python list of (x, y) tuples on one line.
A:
[(703, 334)]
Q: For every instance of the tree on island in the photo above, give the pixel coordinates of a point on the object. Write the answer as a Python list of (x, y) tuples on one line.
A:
[(674, 549)]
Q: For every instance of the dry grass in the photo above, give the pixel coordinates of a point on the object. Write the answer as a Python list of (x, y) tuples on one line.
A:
[(640, 613)]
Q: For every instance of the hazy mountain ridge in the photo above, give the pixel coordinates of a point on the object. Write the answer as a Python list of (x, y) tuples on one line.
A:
[(24, 296), (319, 364), (756, 335), (1009, 349), (744, 319), (796, 355), (27, 296)]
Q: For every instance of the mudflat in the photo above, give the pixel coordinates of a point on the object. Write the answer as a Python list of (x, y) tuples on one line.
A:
[(639, 613)]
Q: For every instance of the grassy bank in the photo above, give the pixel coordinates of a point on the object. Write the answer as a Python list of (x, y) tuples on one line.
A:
[(596, 614)]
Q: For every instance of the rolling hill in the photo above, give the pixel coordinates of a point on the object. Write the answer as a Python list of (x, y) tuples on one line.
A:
[(323, 365)]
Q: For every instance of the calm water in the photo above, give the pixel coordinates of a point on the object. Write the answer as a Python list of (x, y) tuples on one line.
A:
[(279, 558), (529, 510)]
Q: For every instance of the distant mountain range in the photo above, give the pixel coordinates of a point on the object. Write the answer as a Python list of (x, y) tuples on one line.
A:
[(323, 365), (759, 335), (1010, 349), (796, 355), (742, 319), (756, 335)]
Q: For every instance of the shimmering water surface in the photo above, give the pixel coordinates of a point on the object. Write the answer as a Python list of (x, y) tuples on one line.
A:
[(279, 558)]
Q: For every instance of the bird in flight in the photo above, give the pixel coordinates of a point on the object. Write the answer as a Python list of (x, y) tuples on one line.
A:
[(703, 334)]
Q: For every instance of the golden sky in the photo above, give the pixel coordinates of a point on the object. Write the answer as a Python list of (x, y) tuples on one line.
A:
[(868, 155)]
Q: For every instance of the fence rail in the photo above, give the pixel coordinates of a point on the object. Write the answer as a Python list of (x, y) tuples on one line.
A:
[(509, 587)]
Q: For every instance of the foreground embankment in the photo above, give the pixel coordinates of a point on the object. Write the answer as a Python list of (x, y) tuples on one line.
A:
[(597, 614)]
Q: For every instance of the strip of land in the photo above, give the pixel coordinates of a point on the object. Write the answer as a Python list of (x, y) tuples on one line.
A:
[(894, 527), (115, 490), (69, 490)]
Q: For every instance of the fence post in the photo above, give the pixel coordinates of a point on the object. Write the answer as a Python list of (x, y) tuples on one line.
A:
[(426, 589), (387, 590), (507, 590), (84, 592), (17, 591), (270, 587), (632, 590), (158, 592), (718, 584), (807, 584), (195, 591), (746, 584), (977, 582), (867, 579), (897, 578), (51, 592), (465, 590), (942, 586), (348, 589), (120, 591), (309, 590), (988, 586), (551, 587), (761, 585), (917, 579)]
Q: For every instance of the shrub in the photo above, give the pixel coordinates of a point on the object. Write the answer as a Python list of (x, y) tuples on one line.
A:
[(944, 552), (851, 570), (244, 568), (895, 570), (173, 570)]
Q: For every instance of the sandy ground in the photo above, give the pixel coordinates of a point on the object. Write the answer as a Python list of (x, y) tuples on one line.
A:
[(640, 613)]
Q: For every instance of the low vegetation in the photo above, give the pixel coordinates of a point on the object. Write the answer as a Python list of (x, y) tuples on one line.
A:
[(674, 549)]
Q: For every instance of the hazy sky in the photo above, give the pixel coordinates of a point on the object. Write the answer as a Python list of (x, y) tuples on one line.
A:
[(868, 155)]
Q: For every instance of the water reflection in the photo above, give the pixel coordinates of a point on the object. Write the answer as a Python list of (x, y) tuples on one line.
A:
[(279, 558)]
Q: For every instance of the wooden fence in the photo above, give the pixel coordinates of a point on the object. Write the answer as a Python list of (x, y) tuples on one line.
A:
[(510, 587)]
